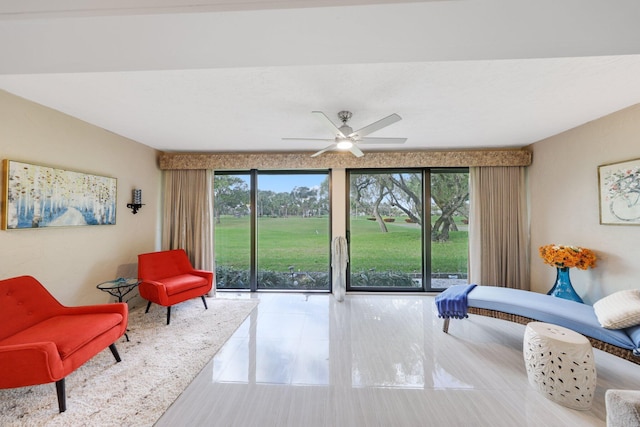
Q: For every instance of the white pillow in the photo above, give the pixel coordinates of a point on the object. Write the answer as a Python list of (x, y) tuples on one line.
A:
[(619, 310)]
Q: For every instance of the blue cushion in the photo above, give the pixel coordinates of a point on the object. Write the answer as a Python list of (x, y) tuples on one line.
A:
[(558, 311), (634, 334)]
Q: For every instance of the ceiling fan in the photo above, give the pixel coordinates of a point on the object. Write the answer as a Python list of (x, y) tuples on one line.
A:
[(346, 139)]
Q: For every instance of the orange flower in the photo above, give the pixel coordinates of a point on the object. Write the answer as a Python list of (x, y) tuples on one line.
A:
[(567, 256)]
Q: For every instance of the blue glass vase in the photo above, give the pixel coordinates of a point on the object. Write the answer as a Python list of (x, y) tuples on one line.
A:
[(563, 288)]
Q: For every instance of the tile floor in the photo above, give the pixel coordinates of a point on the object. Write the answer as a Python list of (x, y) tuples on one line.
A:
[(376, 360)]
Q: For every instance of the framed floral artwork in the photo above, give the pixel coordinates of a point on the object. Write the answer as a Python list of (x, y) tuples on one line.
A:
[(619, 185), (37, 196)]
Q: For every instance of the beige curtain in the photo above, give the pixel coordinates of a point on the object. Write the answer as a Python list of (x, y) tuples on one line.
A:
[(498, 228), (188, 215)]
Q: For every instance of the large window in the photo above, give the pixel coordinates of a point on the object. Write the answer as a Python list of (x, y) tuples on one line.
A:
[(232, 210), (399, 242), (272, 230), (449, 232), (407, 229)]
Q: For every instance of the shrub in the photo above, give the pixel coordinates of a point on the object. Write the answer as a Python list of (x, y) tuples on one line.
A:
[(386, 279), (228, 277), (389, 220)]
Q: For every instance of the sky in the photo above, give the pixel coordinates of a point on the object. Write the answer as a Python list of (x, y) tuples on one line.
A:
[(285, 183)]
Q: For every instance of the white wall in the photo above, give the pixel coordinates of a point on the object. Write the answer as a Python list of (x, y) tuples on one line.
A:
[(70, 262), (563, 183)]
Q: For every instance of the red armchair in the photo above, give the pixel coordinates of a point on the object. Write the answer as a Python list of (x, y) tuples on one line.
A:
[(167, 278), (42, 341)]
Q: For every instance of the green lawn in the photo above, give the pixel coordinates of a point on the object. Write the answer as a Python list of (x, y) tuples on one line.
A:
[(282, 242), (304, 243)]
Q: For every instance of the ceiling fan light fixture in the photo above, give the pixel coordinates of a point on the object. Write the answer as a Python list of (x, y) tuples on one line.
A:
[(344, 144), (345, 139)]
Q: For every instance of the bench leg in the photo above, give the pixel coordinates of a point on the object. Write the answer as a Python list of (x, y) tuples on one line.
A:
[(445, 326), (62, 398)]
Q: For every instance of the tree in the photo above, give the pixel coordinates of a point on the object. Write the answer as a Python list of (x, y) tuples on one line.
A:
[(231, 196), (404, 192), (450, 193), (409, 199), (266, 205), (323, 196), (381, 193), (370, 191), (305, 197), (359, 184), (282, 201)]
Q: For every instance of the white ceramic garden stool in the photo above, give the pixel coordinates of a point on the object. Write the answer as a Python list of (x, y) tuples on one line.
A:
[(560, 364)]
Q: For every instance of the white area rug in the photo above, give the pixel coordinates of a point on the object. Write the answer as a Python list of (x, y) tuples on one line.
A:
[(157, 365)]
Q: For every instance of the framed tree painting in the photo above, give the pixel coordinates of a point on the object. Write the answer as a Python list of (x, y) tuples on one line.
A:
[(620, 193), (36, 196)]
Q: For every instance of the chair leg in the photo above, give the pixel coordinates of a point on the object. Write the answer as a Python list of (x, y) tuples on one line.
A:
[(168, 314), (114, 351), (148, 305), (60, 385), (205, 302), (62, 398)]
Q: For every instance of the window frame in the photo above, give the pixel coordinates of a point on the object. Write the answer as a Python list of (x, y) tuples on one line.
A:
[(426, 243), (253, 175)]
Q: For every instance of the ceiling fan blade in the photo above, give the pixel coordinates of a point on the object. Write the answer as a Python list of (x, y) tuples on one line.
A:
[(389, 120), (308, 139), (331, 147), (328, 123), (370, 140), (356, 151)]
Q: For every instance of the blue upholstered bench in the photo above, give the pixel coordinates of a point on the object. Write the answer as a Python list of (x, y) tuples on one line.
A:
[(523, 307)]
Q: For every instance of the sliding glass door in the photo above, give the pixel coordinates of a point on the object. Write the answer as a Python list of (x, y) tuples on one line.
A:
[(449, 240), (232, 210), (272, 230), (385, 230), (399, 242), (293, 231)]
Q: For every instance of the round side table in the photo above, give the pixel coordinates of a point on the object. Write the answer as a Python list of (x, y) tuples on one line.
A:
[(119, 288), (560, 364)]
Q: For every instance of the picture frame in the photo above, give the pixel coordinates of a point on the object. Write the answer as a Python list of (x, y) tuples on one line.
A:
[(37, 196), (619, 193)]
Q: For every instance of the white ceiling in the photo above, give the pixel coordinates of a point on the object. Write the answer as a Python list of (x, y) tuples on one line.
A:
[(238, 76)]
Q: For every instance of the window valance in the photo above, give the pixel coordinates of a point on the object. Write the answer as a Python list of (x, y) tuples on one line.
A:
[(406, 159)]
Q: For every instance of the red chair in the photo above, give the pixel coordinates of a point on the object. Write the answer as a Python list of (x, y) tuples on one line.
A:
[(42, 341), (167, 278)]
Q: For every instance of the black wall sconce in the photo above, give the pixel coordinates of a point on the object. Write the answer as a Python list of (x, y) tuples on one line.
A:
[(136, 204)]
